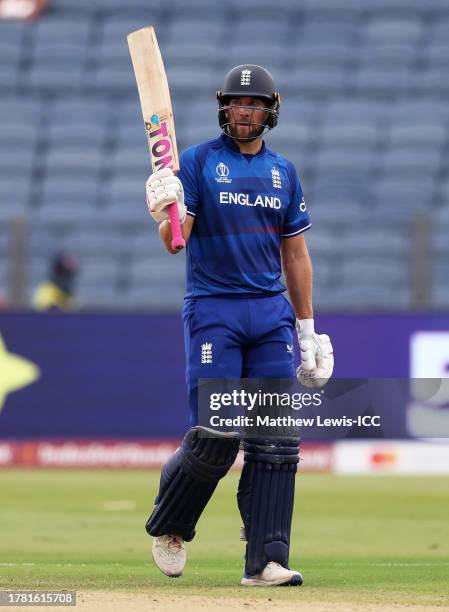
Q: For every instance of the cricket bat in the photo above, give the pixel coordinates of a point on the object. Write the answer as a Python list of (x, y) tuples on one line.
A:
[(157, 111)]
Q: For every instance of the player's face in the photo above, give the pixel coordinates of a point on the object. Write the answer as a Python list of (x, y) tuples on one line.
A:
[(246, 116)]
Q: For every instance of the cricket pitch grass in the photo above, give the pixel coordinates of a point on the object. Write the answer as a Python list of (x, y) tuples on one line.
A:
[(362, 543)]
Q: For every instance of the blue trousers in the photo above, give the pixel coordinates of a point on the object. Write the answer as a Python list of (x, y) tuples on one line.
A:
[(233, 337)]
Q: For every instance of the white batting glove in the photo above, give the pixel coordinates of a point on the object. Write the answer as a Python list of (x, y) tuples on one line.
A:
[(164, 188), (317, 357)]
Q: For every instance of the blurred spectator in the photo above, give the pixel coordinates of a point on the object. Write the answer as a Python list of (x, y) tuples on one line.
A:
[(21, 9), (57, 292)]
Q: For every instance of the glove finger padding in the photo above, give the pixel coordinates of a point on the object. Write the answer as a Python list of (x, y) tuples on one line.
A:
[(324, 358), (164, 188), (160, 174), (157, 192), (161, 200), (160, 184), (316, 371), (171, 180), (307, 355)]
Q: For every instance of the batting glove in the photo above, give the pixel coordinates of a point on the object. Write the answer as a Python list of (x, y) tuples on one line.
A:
[(164, 188), (317, 357)]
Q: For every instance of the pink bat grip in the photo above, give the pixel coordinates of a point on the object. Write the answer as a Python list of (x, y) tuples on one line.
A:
[(178, 241)]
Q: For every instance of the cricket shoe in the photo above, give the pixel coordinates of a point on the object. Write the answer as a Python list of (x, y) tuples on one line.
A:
[(273, 575), (169, 554)]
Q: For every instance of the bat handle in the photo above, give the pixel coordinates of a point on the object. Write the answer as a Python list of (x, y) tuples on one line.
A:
[(178, 241)]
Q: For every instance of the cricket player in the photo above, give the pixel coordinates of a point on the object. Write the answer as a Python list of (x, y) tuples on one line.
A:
[(243, 218)]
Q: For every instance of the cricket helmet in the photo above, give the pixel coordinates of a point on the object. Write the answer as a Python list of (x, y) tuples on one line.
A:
[(249, 80)]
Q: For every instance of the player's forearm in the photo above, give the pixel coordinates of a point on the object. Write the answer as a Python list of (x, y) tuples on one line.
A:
[(299, 280)]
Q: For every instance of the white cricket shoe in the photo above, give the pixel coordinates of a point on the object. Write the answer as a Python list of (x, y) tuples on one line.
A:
[(273, 575), (169, 554)]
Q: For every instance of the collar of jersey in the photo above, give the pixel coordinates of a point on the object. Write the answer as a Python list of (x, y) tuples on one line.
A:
[(230, 144)]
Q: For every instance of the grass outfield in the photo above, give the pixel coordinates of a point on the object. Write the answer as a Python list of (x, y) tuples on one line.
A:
[(378, 539)]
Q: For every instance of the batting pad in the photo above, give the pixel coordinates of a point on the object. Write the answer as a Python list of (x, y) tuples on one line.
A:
[(265, 498), (188, 480)]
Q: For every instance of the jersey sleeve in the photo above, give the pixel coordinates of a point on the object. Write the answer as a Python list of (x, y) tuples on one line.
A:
[(297, 218), (189, 179)]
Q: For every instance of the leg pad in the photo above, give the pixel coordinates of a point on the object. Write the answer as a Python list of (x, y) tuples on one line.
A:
[(265, 498), (188, 480)]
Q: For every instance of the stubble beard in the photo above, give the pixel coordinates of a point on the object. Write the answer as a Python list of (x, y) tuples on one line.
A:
[(245, 134)]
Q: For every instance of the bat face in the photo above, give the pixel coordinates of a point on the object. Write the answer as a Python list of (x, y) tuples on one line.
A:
[(157, 112), (154, 98), (160, 141)]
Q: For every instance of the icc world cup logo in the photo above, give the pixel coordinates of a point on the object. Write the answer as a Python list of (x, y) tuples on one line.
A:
[(222, 170)]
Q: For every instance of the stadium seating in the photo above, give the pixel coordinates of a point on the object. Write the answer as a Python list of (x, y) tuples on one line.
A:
[(364, 117)]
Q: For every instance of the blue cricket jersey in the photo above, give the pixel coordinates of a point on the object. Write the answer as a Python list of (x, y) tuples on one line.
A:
[(243, 206)]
